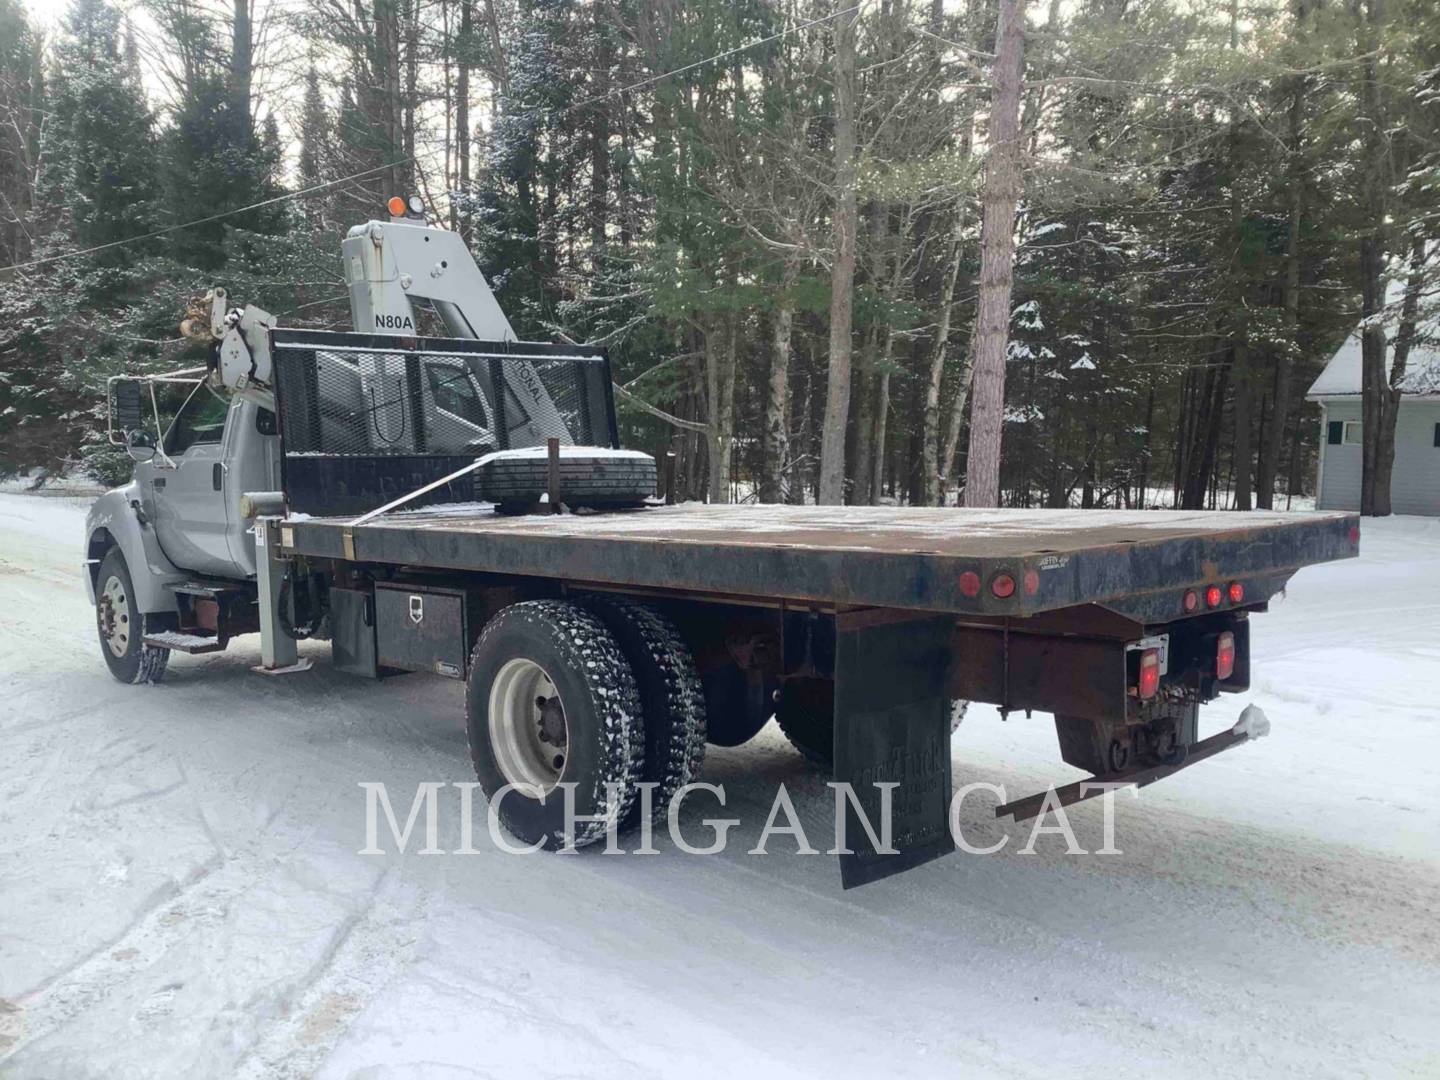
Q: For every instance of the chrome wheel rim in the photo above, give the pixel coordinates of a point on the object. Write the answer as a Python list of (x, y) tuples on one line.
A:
[(115, 625), (528, 730)]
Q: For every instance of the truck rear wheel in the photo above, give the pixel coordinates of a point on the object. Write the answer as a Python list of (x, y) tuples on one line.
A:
[(551, 701), (672, 699), (805, 712), (121, 624)]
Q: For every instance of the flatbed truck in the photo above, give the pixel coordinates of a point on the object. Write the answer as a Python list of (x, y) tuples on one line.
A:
[(400, 494)]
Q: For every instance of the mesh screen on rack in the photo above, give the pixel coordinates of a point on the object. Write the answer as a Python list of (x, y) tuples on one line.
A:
[(364, 416), (365, 401)]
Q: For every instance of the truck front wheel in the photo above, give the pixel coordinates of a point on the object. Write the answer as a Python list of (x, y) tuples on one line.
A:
[(551, 702), (122, 625)]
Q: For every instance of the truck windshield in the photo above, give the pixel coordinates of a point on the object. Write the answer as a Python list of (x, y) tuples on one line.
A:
[(200, 420)]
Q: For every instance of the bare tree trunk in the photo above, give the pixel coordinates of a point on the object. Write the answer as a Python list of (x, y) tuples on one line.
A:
[(497, 48), (957, 411), (842, 274), (930, 437), (869, 359), (462, 116), (777, 400), (1244, 400), (882, 417), (412, 92), (1269, 465), (1242, 382), (1374, 384), (720, 393), (882, 382), (1202, 441), (806, 439), (1147, 444), (242, 60), (600, 130), (1404, 341), (385, 110), (997, 260)]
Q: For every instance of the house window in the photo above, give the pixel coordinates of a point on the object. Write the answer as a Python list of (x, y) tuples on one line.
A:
[(1348, 433)]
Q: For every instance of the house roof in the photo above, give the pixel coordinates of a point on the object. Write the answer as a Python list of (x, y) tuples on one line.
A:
[(1341, 376)]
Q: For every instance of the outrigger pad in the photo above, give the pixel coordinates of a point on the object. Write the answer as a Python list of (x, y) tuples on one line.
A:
[(892, 725)]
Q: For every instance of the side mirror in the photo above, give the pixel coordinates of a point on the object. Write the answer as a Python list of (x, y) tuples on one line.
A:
[(140, 445), (127, 409)]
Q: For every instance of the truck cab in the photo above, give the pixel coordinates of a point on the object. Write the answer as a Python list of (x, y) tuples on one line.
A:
[(179, 524), (214, 451)]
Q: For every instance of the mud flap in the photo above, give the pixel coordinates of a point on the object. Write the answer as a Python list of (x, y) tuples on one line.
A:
[(892, 725)]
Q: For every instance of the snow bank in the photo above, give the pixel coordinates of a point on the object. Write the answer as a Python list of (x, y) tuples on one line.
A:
[(180, 894)]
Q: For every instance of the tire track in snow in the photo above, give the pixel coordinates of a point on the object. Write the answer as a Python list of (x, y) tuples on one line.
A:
[(80, 985), (372, 947)]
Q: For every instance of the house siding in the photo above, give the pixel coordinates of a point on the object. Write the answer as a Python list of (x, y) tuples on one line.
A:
[(1415, 482), (1415, 485), (1340, 470)]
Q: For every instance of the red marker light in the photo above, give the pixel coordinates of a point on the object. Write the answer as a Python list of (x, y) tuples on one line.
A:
[(1003, 586), (1191, 601), (1225, 656), (1213, 596), (1355, 534), (1032, 582), (970, 583), (1236, 592), (1149, 673)]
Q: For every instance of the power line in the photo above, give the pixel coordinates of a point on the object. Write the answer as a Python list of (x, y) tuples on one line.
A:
[(651, 80), (205, 220), (697, 64)]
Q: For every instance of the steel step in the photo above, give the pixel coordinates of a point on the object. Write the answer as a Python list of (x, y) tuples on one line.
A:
[(179, 641), (209, 590)]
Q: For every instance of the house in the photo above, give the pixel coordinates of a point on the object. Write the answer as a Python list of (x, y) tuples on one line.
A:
[(1415, 483)]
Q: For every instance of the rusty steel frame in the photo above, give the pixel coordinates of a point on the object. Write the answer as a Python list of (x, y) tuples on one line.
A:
[(1089, 788)]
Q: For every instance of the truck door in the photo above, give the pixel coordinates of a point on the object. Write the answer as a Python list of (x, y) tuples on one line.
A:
[(252, 463), (191, 511)]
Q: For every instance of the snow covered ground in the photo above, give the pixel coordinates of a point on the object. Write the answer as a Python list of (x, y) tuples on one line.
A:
[(181, 894)]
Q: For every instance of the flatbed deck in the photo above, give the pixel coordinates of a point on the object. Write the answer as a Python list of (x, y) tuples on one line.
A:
[(899, 557)]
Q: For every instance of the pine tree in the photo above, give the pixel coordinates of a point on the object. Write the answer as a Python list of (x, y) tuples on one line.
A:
[(96, 189)]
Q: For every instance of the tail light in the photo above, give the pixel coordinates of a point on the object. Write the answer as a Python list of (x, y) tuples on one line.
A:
[(1003, 586), (1236, 592), (1213, 596), (1150, 671), (1224, 656), (1191, 600)]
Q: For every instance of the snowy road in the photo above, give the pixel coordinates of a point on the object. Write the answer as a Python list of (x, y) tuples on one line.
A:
[(181, 894)]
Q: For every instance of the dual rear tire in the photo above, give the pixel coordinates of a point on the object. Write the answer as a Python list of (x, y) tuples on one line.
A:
[(593, 699), (805, 711)]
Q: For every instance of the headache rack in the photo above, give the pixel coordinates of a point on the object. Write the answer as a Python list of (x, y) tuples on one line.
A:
[(366, 418)]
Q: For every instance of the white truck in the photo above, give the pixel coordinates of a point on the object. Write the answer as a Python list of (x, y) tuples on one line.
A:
[(396, 493)]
